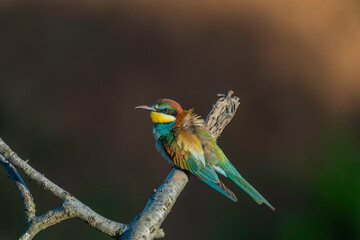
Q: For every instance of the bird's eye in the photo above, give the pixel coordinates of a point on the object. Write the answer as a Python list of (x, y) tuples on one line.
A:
[(165, 110)]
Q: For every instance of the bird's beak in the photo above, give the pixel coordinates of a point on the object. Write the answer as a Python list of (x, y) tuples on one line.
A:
[(146, 108)]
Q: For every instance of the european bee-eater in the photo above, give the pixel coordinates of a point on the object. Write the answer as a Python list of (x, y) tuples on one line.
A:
[(182, 139)]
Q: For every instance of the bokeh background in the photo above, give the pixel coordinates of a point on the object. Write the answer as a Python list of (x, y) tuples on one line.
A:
[(71, 73)]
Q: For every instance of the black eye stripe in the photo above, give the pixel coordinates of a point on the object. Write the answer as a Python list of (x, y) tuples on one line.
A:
[(168, 111), (172, 112)]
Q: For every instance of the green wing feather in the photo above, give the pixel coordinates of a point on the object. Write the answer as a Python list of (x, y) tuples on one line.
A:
[(222, 165), (196, 151), (208, 175), (187, 153), (235, 176)]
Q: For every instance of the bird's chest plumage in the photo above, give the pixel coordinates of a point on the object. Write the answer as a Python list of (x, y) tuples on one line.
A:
[(160, 147), (166, 145), (162, 130)]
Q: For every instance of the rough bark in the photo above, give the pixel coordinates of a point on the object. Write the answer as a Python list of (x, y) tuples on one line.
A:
[(70, 208)]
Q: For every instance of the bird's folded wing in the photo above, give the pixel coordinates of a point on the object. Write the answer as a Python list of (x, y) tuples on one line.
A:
[(187, 153)]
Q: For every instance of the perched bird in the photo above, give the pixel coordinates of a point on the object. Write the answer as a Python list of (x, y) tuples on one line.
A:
[(182, 139)]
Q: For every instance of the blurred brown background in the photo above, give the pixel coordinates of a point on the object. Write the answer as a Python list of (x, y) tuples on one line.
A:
[(71, 74)]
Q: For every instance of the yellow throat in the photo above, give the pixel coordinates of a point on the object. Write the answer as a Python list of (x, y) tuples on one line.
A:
[(157, 117)]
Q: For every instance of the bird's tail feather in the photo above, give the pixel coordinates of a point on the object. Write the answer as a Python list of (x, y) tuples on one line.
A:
[(220, 186), (235, 176), (241, 182)]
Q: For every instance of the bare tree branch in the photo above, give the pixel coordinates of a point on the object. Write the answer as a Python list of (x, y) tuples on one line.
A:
[(221, 113), (146, 225), (48, 219), (71, 207), (26, 197)]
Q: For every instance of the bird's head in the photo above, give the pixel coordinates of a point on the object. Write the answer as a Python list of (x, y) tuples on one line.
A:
[(164, 111)]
